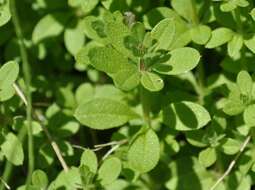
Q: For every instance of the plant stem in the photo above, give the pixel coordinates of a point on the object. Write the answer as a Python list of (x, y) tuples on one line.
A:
[(201, 78), (145, 107), (50, 138), (232, 163), (27, 78), (194, 15)]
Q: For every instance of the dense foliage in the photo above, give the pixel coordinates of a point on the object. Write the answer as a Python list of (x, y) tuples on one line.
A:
[(127, 94)]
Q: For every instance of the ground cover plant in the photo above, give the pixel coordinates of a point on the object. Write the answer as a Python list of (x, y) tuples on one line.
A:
[(127, 94)]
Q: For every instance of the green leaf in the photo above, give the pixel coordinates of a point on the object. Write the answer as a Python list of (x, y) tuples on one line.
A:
[(230, 146), (6, 93), (235, 45), (207, 157), (248, 115), (107, 59), (89, 159), (51, 25), (185, 116), (244, 82), (219, 37), (88, 5), (66, 180), (82, 58), (151, 81), (185, 9), (109, 171), (228, 6), (157, 14), (201, 34), (8, 74), (235, 104), (74, 38), (252, 13), (143, 153), (250, 43), (117, 32), (40, 179), (164, 33), (87, 176), (102, 113), (12, 149), (127, 78), (5, 14), (94, 29), (84, 93), (182, 60)]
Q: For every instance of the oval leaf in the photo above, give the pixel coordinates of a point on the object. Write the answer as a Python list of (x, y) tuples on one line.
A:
[(244, 82), (249, 117), (12, 149), (40, 179), (103, 113), (164, 33), (109, 171), (151, 81), (185, 116), (50, 25), (182, 60), (5, 14), (8, 74), (207, 157), (89, 159), (219, 37), (143, 154), (201, 34)]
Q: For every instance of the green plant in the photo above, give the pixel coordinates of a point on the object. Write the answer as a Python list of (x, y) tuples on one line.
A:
[(127, 94)]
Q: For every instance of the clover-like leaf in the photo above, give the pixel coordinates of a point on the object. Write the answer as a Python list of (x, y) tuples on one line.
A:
[(185, 116), (219, 37), (207, 157), (164, 33), (39, 179), (182, 60), (201, 34), (151, 81), (74, 38), (248, 115), (12, 149), (185, 9), (230, 146), (143, 153), (109, 171), (89, 159), (50, 25), (5, 14), (235, 45), (244, 82), (8, 74), (102, 113), (107, 59), (250, 43)]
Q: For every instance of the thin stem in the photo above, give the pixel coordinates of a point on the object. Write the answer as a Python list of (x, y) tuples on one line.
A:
[(5, 184), (115, 147), (50, 138), (232, 163), (27, 78), (201, 76), (145, 107), (194, 15)]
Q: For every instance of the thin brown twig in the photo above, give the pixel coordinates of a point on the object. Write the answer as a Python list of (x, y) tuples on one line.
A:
[(232, 163), (38, 117)]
